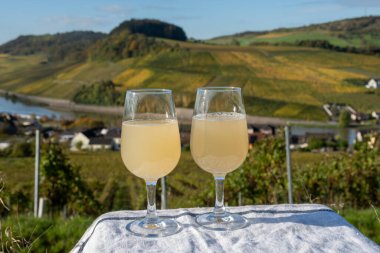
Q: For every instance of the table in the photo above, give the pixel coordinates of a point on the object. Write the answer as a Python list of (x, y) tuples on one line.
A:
[(273, 228)]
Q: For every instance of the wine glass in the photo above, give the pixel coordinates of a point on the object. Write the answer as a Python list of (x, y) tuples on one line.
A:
[(219, 145), (150, 149)]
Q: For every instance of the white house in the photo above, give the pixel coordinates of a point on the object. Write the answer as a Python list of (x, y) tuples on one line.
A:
[(373, 84), (375, 115), (80, 141), (90, 140), (4, 145)]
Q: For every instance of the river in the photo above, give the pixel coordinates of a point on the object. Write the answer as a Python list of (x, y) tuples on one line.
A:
[(18, 107)]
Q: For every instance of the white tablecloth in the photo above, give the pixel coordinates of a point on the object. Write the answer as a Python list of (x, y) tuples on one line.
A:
[(273, 228)]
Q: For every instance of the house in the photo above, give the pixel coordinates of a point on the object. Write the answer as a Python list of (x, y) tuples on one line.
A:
[(81, 140), (373, 84), (66, 136), (115, 135), (334, 110), (359, 116), (268, 130), (259, 132), (297, 140), (300, 136), (92, 139), (4, 145), (319, 136), (376, 115), (97, 143), (8, 123)]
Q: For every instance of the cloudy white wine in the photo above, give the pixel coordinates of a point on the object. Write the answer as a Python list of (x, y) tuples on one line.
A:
[(150, 149), (219, 141)]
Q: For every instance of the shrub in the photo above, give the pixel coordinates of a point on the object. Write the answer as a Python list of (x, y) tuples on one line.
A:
[(315, 143), (349, 179), (28, 234), (62, 184), (103, 93), (22, 149)]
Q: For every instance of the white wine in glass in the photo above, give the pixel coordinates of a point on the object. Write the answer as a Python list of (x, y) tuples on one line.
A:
[(150, 149), (219, 145)]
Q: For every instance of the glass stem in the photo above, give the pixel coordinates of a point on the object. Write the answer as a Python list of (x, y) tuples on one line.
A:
[(151, 214), (219, 209)]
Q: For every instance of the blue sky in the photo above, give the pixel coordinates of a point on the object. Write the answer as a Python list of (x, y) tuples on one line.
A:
[(200, 18)]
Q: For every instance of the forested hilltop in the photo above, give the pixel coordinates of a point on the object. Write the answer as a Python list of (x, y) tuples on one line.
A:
[(129, 39), (60, 46)]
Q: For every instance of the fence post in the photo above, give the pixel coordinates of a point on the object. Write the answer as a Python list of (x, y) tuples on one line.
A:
[(163, 193), (41, 207), (289, 164), (37, 173)]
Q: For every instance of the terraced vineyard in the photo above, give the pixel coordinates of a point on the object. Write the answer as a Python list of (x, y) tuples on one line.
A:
[(289, 82)]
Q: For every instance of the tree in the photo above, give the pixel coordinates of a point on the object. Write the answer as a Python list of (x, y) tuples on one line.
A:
[(315, 143), (62, 184), (344, 119), (79, 145), (22, 149), (99, 93), (344, 122)]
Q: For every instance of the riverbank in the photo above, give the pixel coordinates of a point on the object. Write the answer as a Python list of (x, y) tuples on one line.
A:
[(63, 104), (184, 115)]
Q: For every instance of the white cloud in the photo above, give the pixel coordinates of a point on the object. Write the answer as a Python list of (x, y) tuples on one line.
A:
[(321, 8), (114, 9), (77, 21), (184, 17), (359, 3)]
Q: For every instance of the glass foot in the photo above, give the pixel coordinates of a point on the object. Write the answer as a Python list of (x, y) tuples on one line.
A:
[(225, 222), (160, 228)]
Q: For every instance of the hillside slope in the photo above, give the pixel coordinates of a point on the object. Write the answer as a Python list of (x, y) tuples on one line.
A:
[(361, 32), (277, 81), (131, 38), (281, 81), (56, 47)]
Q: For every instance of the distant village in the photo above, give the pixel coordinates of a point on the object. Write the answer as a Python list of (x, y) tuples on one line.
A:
[(100, 137), (108, 138)]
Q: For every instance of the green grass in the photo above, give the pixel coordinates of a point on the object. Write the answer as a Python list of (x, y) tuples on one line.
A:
[(366, 221), (42, 235)]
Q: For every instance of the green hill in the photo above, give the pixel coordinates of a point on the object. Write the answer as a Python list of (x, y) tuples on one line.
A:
[(135, 38), (152, 28), (131, 38), (281, 81), (56, 47), (361, 32)]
